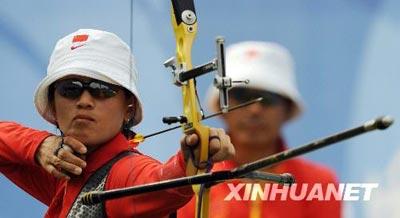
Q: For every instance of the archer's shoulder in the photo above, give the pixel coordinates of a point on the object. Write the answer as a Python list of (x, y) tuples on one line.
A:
[(10, 125), (19, 131)]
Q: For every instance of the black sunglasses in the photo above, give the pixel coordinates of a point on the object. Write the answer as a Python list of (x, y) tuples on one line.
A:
[(243, 95), (73, 88)]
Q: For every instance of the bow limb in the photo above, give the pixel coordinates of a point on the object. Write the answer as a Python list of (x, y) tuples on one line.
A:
[(184, 22)]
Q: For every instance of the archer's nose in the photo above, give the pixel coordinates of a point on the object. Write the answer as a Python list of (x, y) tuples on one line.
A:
[(255, 108), (86, 100)]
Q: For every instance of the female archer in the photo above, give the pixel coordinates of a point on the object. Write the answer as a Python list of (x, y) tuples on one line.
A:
[(90, 94)]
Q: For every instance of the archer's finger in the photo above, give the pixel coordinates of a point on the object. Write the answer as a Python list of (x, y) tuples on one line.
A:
[(62, 165), (190, 140), (66, 155), (215, 143), (56, 173), (221, 147), (216, 139), (76, 145), (226, 153)]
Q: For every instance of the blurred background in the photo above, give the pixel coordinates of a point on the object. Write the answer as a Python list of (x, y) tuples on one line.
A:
[(347, 64)]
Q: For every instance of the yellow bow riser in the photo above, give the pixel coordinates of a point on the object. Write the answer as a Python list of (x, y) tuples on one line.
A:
[(185, 35)]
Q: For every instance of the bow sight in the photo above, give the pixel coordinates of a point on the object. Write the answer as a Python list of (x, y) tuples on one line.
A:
[(221, 81)]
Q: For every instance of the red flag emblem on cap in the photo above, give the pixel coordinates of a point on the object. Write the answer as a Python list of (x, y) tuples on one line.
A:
[(80, 38), (78, 41), (251, 54)]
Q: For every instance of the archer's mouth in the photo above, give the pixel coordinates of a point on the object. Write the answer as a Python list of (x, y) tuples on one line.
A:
[(82, 117)]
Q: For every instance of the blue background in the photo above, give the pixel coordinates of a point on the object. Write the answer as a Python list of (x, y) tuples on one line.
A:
[(347, 63)]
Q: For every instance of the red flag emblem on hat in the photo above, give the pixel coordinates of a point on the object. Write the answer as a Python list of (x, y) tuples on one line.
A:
[(78, 40), (251, 54)]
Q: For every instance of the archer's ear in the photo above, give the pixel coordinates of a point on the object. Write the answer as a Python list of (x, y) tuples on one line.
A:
[(289, 106), (51, 105), (130, 102), (130, 112)]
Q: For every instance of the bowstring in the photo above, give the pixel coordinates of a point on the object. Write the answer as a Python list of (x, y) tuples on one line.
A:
[(131, 58)]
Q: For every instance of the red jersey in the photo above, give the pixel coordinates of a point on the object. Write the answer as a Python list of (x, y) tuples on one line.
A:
[(18, 145), (223, 204)]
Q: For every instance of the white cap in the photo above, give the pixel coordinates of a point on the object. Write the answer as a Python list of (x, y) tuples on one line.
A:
[(267, 65), (91, 53)]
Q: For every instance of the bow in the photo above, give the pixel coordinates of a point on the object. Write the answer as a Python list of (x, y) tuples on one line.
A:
[(184, 22)]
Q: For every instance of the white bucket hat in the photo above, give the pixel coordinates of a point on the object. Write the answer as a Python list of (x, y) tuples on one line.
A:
[(268, 66), (92, 53)]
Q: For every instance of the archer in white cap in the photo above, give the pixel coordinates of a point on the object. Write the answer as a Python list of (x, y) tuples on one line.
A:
[(255, 131), (90, 94)]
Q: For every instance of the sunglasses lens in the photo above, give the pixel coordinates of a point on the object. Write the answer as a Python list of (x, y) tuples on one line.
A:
[(240, 94), (72, 89), (69, 88), (243, 95), (101, 90), (270, 99)]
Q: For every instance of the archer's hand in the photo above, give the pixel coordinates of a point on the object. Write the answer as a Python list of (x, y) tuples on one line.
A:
[(220, 146), (61, 159)]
